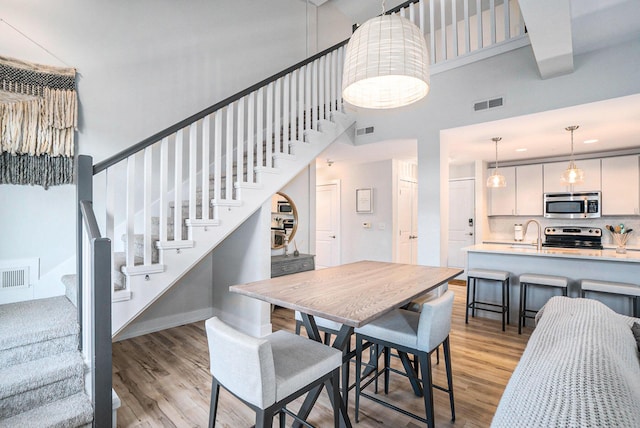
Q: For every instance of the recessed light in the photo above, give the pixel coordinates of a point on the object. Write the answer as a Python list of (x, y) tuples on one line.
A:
[(590, 141), (521, 150)]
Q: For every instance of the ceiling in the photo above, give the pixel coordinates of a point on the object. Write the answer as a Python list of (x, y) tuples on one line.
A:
[(614, 123)]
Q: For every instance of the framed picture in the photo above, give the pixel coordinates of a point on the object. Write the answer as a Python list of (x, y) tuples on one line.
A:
[(364, 200)]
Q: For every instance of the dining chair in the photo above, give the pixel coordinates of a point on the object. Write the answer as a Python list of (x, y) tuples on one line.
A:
[(268, 373), (410, 332)]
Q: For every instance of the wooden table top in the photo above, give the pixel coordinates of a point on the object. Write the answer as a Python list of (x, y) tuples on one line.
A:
[(352, 294)]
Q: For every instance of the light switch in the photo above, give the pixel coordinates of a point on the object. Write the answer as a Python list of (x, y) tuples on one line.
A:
[(366, 225)]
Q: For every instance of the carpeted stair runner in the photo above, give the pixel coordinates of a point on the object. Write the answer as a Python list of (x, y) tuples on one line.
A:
[(41, 369)]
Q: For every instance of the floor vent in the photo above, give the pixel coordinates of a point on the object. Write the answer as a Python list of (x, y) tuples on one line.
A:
[(487, 104), (364, 131)]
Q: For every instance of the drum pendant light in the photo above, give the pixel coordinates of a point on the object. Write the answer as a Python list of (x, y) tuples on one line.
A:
[(496, 179), (573, 174), (386, 64)]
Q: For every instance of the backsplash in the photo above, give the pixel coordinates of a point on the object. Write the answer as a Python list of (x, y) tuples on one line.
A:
[(501, 228)]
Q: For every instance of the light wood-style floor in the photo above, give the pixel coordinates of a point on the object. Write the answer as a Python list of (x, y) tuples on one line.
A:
[(163, 378)]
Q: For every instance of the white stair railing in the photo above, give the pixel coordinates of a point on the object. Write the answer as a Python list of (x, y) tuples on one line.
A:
[(204, 162)]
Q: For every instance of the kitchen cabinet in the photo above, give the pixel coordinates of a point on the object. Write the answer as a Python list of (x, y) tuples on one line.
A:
[(502, 200), (523, 194), (553, 173), (621, 185), (529, 190)]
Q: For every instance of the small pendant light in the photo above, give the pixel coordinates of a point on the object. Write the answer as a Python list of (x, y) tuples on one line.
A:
[(573, 174), (386, 64), (496, 179)]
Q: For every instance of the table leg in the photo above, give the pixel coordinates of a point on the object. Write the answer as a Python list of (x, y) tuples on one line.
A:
[(413, 376), (342, 339)]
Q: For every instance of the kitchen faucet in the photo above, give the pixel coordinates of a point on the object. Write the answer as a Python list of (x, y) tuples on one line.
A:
[(539, 240)]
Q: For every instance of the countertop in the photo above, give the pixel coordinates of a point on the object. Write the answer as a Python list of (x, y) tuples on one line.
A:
[(571, 253)]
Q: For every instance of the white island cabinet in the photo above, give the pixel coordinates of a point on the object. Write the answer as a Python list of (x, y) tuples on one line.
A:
[(575, 264), (620, 186)]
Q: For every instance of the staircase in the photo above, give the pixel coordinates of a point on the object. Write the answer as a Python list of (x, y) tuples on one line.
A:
[(42, 372)]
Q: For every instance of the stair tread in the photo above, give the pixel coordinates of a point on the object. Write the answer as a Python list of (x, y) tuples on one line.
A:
[(23, 377), (75, 410), (33, 321)]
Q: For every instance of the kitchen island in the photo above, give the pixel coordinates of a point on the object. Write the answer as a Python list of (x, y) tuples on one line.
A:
[(573, 263)]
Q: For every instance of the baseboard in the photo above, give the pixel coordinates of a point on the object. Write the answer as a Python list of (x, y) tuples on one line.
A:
[(163, 323)]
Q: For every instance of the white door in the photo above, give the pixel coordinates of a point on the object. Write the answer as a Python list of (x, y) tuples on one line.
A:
[(327, 225), (407, 222), (461, 220)]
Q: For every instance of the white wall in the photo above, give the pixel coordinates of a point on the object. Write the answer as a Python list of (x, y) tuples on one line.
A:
[(142, 67), (449, 104), (359, 243)]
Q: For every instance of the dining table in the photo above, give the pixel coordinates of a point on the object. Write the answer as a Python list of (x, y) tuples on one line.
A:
[(352, 295)]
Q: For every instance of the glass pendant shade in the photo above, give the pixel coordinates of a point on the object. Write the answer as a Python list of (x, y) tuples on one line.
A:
[(496, 179), (386, 64), (573, 174)]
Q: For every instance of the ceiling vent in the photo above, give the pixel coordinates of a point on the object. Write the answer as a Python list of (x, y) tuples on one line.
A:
[(487, 104), (364, 131)]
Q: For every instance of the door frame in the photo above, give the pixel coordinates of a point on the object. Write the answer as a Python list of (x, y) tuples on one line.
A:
[(337, 183)]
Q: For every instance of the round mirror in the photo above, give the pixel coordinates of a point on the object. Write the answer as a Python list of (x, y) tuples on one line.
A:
[(284, 220)]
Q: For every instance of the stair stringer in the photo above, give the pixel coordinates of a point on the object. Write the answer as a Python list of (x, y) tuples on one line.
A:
[(145, 290)]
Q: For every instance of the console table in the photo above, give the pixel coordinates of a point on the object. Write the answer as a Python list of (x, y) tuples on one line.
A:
[(281, 265)]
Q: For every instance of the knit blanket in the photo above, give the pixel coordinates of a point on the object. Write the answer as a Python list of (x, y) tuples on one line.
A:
[(581, 368)]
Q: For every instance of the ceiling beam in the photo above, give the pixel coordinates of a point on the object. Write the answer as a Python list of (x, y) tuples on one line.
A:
[(549, 26)]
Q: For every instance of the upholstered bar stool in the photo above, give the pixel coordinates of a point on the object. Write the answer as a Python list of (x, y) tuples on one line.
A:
[(631, 291), (533, 279), (499, 276)]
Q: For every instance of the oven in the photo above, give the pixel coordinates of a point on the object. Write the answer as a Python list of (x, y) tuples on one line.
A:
[(573, 237)]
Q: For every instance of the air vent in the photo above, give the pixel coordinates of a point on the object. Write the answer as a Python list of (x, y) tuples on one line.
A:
[(363, 131), (18, 274), (487, 104), (14, 278)]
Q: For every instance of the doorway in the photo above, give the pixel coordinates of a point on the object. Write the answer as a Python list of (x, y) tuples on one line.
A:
[(328, 239), (461, 220), (407, 222)]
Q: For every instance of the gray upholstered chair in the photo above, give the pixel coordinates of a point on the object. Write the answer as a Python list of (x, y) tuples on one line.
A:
[(269, 372), (415, 333)]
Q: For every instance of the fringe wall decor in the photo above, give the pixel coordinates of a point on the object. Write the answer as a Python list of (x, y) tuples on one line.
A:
[(38, 119)]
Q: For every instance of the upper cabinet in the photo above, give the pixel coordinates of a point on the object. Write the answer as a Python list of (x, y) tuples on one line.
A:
[(553, 172), (529, 190), (502, 200), (620, 186), (521, 196)]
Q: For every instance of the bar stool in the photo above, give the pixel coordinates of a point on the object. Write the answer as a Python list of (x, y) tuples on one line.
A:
[(631, 291), (473, 275), (529, 279)]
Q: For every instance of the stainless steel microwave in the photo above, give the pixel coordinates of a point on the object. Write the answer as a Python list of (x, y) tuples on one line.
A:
[(572, 205)]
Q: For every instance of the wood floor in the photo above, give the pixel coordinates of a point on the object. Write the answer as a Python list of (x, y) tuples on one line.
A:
[(163, 378)]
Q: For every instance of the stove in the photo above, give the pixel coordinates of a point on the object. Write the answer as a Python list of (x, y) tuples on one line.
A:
[(573, 237)]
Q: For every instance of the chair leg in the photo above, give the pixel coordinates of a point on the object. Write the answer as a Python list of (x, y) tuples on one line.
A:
[(503, 304), (335, 381), (213, 407), (427, 383), (522, 308), (345, 375), (358, 375), (282, 416), (387, 365), (447, 362), (475, 296), (466, 309), (264, 418), (508, 300)]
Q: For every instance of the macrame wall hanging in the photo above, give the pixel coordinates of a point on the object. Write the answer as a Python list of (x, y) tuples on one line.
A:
[(38, 118)]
